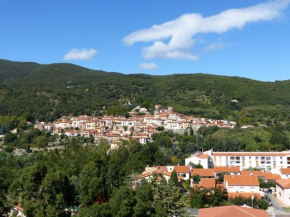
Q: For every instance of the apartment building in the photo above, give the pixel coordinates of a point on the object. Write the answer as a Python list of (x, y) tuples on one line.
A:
[(268, 161)]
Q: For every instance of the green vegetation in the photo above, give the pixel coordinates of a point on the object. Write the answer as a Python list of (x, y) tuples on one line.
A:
[(46, 92), (96, 181), (273, 138)]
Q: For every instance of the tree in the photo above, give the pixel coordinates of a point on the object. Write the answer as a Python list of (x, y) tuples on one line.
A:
[(198, 166), (90, 185), (160, 129), (174, 179), (170, 198), (9, 137), (196, 178)]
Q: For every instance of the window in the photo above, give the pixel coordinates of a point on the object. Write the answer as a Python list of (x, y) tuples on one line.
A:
[(243, 158)]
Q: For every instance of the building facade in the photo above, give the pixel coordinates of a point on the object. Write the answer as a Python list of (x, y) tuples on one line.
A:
[(267, 161)]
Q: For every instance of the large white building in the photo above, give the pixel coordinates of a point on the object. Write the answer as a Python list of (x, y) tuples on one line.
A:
[(268, 161)]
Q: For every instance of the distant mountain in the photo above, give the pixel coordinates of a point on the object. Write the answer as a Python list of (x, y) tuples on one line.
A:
[(46, 92)]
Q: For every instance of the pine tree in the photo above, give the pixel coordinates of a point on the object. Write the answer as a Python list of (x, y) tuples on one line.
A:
[(171, 199), (174, 179)]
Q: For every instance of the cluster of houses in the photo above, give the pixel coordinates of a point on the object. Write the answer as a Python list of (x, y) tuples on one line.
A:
[(236, 182), (139, 126), (240, 172)]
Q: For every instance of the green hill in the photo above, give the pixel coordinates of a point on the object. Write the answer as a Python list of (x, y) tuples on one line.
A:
[(46, 92)]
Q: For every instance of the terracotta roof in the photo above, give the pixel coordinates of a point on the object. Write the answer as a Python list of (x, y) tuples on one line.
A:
[(245, 195), (160, 171), (143, 175), (285, 170), (255, 173), (182, 169), (202, 172), (203, 156), (232, 211), (206, 183), (241, 180), (284, 183), (271, 176), (266, 175), (251, 153), (19, 208), (234, 169)]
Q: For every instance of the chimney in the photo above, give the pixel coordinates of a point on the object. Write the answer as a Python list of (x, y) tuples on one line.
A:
[(251, 174)]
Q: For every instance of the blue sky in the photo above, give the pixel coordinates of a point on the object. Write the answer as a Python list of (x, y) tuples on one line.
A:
[(198, 37)]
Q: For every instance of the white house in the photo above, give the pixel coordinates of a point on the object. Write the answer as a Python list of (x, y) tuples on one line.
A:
[(18, 211), (241, 185), (283, 191), (182, 171), (285, 173), (199, 158)]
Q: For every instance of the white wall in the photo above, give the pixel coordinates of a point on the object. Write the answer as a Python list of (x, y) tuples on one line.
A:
[(283, 195)]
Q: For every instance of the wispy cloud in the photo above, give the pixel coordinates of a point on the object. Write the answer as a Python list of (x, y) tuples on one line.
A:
[(148, 66), (182, 30), (83, 54), (215, 46)]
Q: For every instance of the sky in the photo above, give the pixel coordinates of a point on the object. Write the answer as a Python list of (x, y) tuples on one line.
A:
[(245, 38)]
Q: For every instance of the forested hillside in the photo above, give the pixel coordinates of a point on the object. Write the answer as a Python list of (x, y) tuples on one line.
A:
[(46, 92)]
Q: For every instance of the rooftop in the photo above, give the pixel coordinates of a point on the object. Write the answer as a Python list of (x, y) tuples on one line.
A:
[(203, 172), (284, 183), (241, 180), (231, 211)]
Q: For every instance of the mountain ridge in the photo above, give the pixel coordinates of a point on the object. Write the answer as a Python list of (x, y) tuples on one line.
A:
[(47, 91)]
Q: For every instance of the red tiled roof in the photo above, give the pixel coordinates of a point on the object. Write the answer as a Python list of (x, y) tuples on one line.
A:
[(245, 195), (255, 173), (284, 183), (18, 207), (203, 156), (285, 170), (241, 180), (206, 183), (234, 169), (271, 176), (266, 175), (202, 172), (182, 169), (232, 211)]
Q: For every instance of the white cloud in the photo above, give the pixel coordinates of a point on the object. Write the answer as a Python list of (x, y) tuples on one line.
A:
[(148, 66), (76, 54), (215, 46), (181, 31)]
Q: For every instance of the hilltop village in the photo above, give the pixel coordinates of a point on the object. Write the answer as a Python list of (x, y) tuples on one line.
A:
[(140, 125)]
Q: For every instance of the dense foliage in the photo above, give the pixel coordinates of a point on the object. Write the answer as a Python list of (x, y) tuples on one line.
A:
[(273, 138), (46, 92), (97, 181)]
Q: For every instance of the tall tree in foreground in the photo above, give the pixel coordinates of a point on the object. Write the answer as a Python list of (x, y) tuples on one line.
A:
[(174, 179), (170, 198)]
